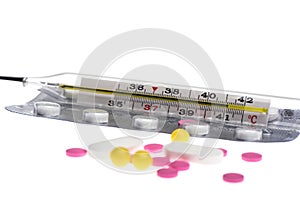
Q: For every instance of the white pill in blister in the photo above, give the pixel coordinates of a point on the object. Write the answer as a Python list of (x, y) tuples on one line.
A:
[(248, 134), (273, 114), (193, 153), (47, 109), (96, 116), (145, 122), (197, 129), (70, 94)]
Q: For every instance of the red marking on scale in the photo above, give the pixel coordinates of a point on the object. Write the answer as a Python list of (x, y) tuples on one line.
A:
[(154, 88), (252, 118)]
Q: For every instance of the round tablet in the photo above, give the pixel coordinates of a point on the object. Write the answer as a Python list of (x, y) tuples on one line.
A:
[(233, 177), (141, 160), (76, 152), (47, 109), (180, 165), (273, 114), (252, 157), (154, 148), (224, 151), (186, 122), (193, 153), (145, 122), (160, 161), (248, 134), (167, 173), (180, 135), (120, 156), (197, 129), (96, 116)]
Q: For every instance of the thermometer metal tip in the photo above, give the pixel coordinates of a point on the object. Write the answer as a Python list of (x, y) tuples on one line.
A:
[(10, 78)]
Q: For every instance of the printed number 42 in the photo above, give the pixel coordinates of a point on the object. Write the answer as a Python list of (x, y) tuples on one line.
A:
[(248, 99)]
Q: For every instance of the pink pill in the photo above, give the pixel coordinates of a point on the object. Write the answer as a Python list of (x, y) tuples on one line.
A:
[(185, 121), (167, 173), (224, 151), (233, 177), (160, 161), (251, 157), (76, 152), (154, 148), (180, 165)]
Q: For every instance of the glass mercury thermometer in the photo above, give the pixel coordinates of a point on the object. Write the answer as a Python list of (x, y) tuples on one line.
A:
[(160, 107)]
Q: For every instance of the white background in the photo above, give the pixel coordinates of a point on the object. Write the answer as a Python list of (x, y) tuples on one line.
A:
[(255, 46)]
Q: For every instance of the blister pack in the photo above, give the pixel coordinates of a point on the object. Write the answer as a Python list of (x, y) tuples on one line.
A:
[(156, 107)]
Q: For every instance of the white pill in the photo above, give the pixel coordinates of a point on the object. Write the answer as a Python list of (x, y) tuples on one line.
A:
[(197, 129), (47, 109), (273, 114), (248, 134), (96, 116), (101, 150), (145, 122), (193, 153)]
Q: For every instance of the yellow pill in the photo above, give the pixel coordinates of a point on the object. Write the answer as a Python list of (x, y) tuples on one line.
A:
[(141, 160), (120, 156), (180, 135)]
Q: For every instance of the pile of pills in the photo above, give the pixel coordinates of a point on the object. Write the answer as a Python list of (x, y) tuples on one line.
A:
[(158, 155), (120, 157), (142, 160), (170, 169), (173, 169)]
